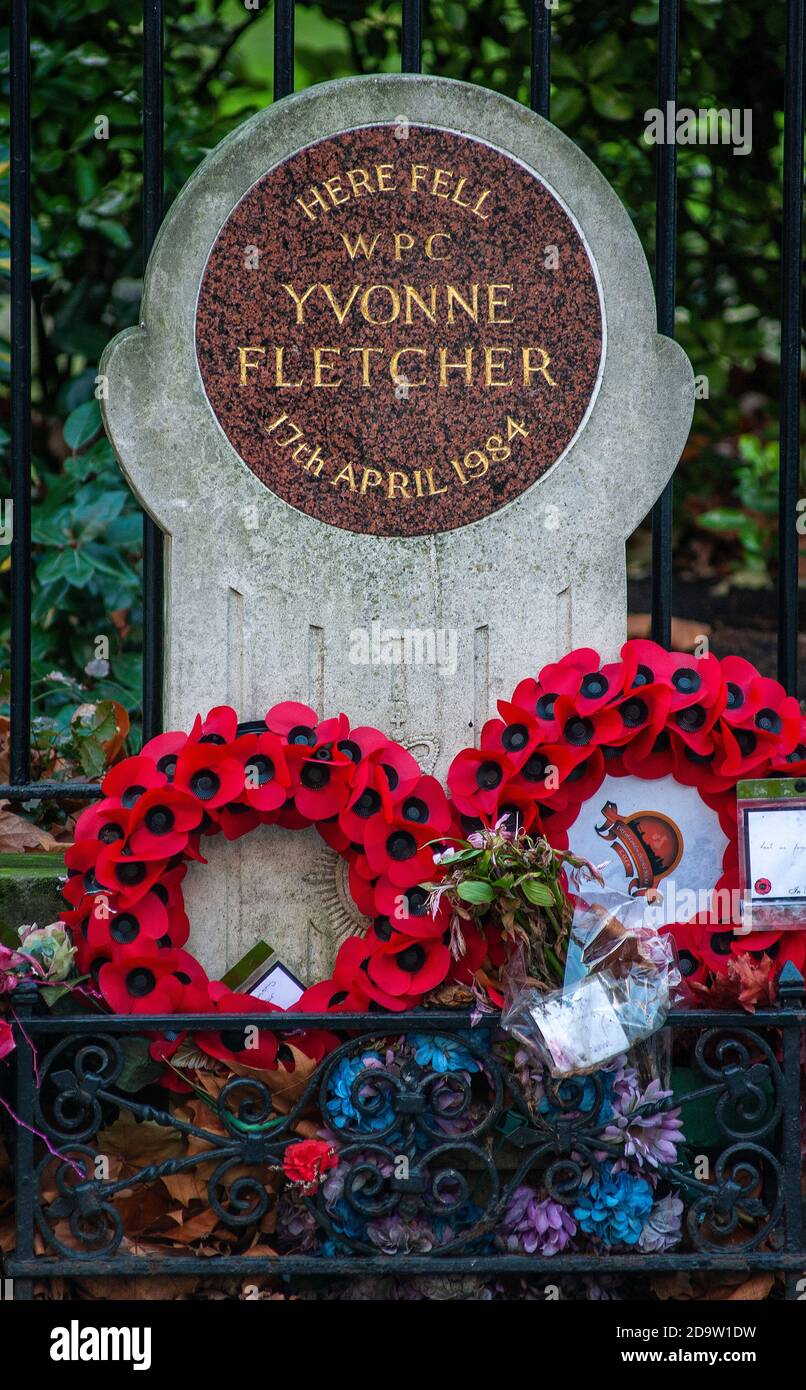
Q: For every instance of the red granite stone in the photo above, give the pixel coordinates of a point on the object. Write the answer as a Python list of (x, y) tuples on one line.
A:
[(393, 457)]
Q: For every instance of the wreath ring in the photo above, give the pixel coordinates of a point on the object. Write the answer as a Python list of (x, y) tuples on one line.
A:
[(653, 714)]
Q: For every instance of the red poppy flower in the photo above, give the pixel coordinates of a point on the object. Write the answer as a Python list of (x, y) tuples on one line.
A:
[(370, 797), (649, 755), (220, 726), (305, 1163), (474, 778), (238, 819), (106, 820), (80, 861), (130, 878), (546, 771), (164, 751), (772, 714), (142, 984), (515, 734), (743, 693), (121, 930), (645, 663), (131, 779), (400, 849), (267, 778), (399, 767), (353, 958), (320, 780), (643, 714), (292, 720), (409, 911), (409, 967), (161, 821), (362, 886), (253, 1048), (599, 726), (210, 772), (330, 997)]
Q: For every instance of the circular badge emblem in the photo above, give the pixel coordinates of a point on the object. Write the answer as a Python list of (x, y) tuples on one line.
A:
[(399, 329)]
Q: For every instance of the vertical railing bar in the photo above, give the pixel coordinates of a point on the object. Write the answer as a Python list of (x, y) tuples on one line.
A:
[(789, 428), (665, 263), (20, 578), (791, 995), (283, 48), (540, 93), (24, 1177), (411, 44), (153, 206)]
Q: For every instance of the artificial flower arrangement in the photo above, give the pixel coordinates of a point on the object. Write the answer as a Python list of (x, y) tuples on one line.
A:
[(652, 714)]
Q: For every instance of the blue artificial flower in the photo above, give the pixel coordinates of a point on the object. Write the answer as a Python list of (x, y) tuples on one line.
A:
[(342, 1111), (613, 1207), (442, 1054)]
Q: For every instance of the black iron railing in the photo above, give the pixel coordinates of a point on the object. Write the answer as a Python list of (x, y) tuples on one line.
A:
[(742, 1208)]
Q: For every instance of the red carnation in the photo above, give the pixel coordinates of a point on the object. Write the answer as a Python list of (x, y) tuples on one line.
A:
[(306, 1163)]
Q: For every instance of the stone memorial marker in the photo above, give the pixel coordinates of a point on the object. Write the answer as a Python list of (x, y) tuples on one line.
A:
[(397, 400)]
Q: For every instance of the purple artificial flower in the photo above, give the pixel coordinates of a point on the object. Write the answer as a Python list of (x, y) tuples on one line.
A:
[(394, 1236), (652, 1138), (297, 1228), (530, 1226)]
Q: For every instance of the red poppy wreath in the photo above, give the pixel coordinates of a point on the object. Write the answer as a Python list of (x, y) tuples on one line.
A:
[(635, 760)]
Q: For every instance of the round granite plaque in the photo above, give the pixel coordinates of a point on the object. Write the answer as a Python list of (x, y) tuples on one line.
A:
[(400, 329)]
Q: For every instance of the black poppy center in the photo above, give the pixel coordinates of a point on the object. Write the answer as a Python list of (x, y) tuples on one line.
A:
[(303, 735), (634, 712), (545, 706), (383, 928), (260, 769), (124, 928), (415, 809), (160, 820), (515, 737), (109, 833), (768, 720), (746, 741), (132, 795), (691, 719), (578, 730), (686, 680), (644, 676), (212, 738), (412, 959), (140, 982), (687, 962), (131, 874), (234, 1039), (401, 845), (391, 776), (368, 804), (205, 783), (721, 942), (594, 685), (488, 777), (735, 695), (416, 902), (314, 776), (350, 750), (534, 769), (797, 755)]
